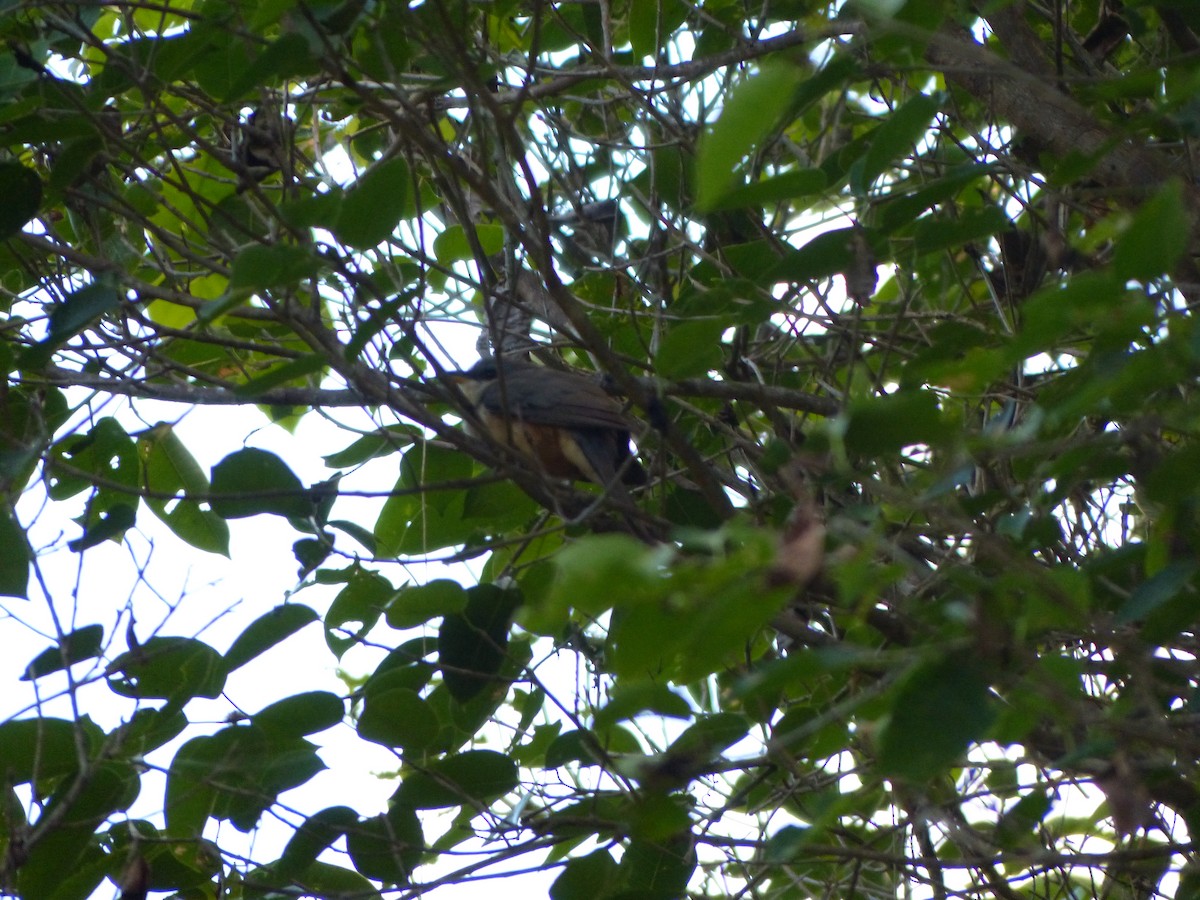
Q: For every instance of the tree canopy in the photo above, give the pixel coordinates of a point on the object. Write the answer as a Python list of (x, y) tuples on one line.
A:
[(899, 296)]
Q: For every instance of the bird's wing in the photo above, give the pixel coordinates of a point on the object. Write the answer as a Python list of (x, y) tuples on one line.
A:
[(559, 399)]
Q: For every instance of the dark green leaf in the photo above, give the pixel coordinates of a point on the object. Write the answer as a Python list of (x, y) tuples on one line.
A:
[(285, 57), (476, 776), (586, 877), (235, 774), (1160, 588), (22, 192), (775, 189), (253, 481), (356, 608), (690, 349), (321, 879), (301, 714), (417, 604), (420, 517), (170, 470), (80, 309), (937, 712), (83, 643), (658, 869), (294, 371), (398, 718), (110, 524), (471, 644), (388, 847), (266, 631), (261, 267), (632, 699), (15, 556), (1016, 826), (371, 446), (375, 204), (933, 234), (830, 253), (895, 137), (168, 668), (317, 833), (38, 748), (886, 424), (1157, 237)]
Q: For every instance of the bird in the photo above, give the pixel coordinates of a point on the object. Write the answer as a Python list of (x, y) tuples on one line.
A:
[(562, 421)]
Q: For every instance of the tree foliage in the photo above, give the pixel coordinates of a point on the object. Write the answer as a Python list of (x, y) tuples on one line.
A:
[(903, 295)]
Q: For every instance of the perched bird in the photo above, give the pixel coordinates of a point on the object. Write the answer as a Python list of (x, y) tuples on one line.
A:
[(565, 422)]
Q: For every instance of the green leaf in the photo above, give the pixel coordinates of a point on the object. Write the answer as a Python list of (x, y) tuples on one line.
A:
[(387, 847), (295, 371), (933, 234), (471, 644), (168, 668), (15, 556), (79, 309), (301, 714), (1162, 587), (38, 748), (690, 349), (881, 425), (108, 524), (1156, 239), (752, 111), (398, 718), (104, 454), (253, 481), (711, 735), (112, 786), (149, 729), (1058, 314), (266, 631), (284, 57), (356, 608), (785, 844), (1016, 827), (629, 700), (235, 774), (318, 832), (64, 865), (895, 137), (83, 643), (452, 245), (260, 267), (586, 877), (650, 24), (498, 507), (75, 313), (589, 568), (371, 446), (321, 879), (476, 776), (577, 746), (937, 712), (416, 605), (419, 517), (22, 192), (170, 470), (829, 253), (658, 868), (375, 204), (775, 189)]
